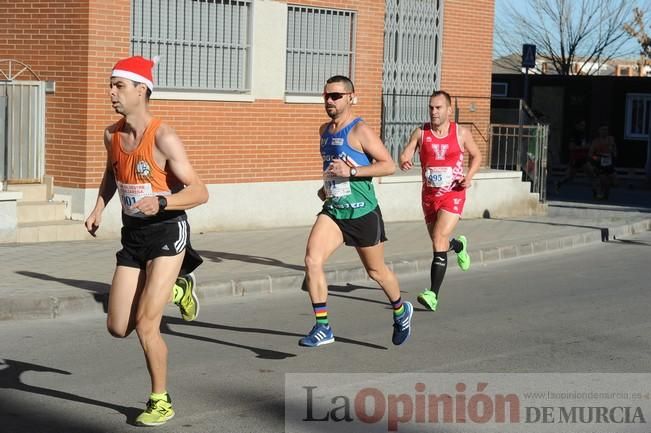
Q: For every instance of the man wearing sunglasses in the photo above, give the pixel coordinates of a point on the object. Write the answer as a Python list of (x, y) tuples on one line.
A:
[(352, 155)]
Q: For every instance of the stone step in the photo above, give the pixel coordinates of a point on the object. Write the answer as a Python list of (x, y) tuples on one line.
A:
[(31, 191), (66, 230), (40, 211)]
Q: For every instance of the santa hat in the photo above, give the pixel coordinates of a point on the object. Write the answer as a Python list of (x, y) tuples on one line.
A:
[(137, 69)]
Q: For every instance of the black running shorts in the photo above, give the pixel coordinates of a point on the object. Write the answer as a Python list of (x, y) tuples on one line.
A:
[(149, 241), (365, 231)]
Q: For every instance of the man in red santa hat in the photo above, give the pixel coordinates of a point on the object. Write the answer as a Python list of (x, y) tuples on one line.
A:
[(147, 165)]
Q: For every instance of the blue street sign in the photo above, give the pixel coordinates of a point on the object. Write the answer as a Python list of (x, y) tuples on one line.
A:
[(528, 56)]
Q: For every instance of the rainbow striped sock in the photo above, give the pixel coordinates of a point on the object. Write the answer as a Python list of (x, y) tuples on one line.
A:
[(321, 313), (398, 308)]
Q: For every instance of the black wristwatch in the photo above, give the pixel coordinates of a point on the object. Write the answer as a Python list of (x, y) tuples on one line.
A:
[(353, 172), (162, 203)]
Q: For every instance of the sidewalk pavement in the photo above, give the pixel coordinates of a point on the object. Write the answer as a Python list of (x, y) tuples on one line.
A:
[(50, 280)]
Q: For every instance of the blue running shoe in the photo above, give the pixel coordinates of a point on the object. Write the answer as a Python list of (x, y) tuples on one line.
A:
[(318, 336), (402, 325)]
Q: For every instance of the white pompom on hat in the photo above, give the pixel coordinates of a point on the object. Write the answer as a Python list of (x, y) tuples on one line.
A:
[(136, 68)]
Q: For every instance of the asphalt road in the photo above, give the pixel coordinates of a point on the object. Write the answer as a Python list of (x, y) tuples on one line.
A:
[(580, 310)]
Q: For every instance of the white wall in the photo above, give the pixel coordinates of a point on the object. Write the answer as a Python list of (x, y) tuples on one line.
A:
[(284, 204), (8, 215), (269, 49)]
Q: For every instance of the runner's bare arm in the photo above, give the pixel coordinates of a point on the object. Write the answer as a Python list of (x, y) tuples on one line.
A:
[(321, 191), (195, 192), (321, 194), (613, 145), (407, 155), (475, 155), (106, 189), (365, 139), (592, 149)]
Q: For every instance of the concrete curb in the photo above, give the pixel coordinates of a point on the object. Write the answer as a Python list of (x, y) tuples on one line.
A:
[(72, 303), (590, 236), (52, 307), (345, 273)]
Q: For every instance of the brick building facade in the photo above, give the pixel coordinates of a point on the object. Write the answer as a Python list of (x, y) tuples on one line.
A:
[(255, 139)]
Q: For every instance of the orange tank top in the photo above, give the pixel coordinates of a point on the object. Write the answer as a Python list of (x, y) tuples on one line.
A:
[(137, 174)]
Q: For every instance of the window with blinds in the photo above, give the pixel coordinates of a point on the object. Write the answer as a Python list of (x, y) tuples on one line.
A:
[(320, 44), (202, 44)]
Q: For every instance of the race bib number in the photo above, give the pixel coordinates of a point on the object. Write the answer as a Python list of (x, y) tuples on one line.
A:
[(438, 177), (606, 161), (336, 187), (131, 194)]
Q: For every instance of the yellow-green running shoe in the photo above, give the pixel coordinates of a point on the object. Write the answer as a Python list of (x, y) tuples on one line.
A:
[(158, 412), (189, 302), (463, 258), (428, 300)]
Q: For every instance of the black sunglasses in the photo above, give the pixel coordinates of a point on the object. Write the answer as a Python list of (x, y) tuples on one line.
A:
[(335, 96)]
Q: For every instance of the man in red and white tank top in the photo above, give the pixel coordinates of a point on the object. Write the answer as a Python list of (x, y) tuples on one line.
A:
[(442, 145), (147, 166)]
